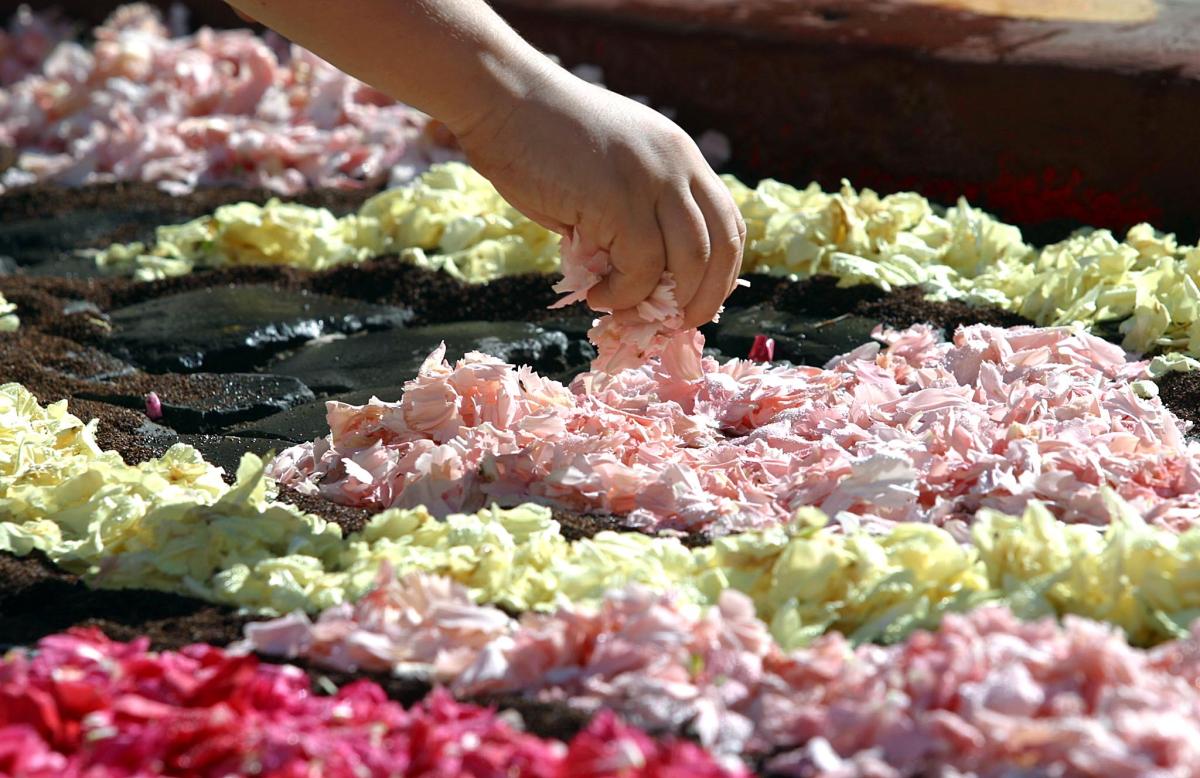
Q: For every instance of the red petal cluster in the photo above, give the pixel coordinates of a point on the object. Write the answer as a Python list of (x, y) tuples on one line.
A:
[(763, 349), (83, 705)]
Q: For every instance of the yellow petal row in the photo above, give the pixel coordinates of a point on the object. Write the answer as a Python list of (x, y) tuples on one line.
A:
[(8, 316), (1147, 287), (173, 524), (449, 219)]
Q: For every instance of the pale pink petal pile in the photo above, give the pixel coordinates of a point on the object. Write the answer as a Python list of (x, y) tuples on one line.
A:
[(986, 694), (27, 40), (215, 107), (424, 625), (916, 430), (643, 654), (989, 695)]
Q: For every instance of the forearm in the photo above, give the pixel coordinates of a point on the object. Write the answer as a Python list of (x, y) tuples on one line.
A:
[(453, 59)]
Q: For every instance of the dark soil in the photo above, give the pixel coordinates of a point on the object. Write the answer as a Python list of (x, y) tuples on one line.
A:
[(48, 365), (350, 519), (905, 307), (42, 304), (574, 526), (818, 296), (577, 526), (435, 297), (170, 387), (545, 719), (127, 432), (1180, 392), (45, 200), (37, 599), (821, 296)]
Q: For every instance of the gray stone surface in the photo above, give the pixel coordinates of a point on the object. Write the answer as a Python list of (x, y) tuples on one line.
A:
[(157, 437), (45, 243), (307, 422), (226, 450), (802, 340), (573, 324), (88, 364), (69, 265), (50, 240), (235, 328), (221, 401), (392, 357)]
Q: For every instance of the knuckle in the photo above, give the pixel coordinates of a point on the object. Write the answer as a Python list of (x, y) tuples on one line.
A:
[(728, 249), (732, 244), (675, 141)]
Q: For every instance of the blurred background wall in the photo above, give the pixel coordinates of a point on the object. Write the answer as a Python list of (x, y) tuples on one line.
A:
[(1052, 113)]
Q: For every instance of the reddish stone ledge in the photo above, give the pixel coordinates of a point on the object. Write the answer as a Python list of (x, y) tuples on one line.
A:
[(213, 13), (1161, 35), (1044, 122)]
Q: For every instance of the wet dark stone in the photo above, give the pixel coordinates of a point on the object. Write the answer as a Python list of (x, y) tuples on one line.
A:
[(55, 240), (393, 357), (89, 364), (38, 599), (575, 325), (156, 437), (222, 400), (43, 227), (49, 245), (68, 265), (307, 422), (235, 328), (800, 339), (226, 451), (49, 239), (73, 307)]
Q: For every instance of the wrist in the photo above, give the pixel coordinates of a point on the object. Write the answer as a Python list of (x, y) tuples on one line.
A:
[(504, 78)]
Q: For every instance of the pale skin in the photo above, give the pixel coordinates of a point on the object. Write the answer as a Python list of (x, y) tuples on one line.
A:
[(567, 154)]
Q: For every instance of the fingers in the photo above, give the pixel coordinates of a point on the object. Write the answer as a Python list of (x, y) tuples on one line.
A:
[(697, 234), (687, 242), (638, 257), (726, 237)]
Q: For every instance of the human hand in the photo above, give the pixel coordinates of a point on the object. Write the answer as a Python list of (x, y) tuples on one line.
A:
[(571, 155)]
